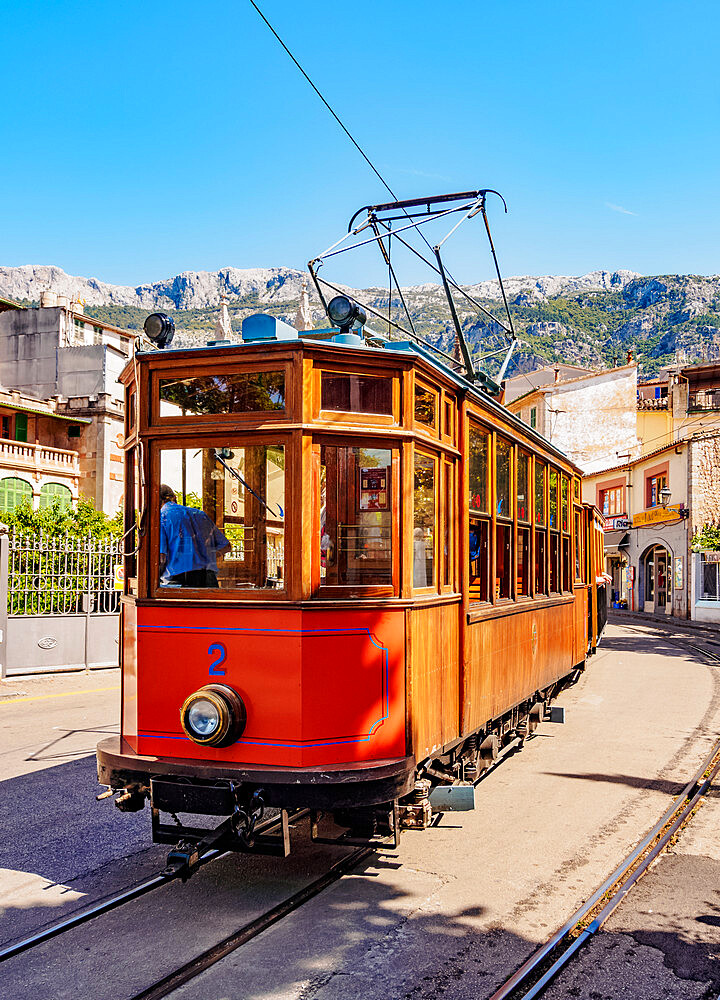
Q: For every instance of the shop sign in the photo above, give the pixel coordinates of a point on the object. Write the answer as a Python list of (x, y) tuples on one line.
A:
[(620, 523), (657, 515), (711, 557)]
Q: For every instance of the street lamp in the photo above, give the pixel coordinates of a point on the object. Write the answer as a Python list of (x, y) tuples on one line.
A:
[(665, 494)]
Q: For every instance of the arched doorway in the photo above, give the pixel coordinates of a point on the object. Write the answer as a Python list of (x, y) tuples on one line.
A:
[(656, 568)]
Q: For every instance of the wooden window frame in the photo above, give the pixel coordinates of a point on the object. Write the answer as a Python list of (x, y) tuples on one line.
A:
[(474, 515), (237, 438), (448, 525), (434, 588), (350, 416), (432, 430), (503, 520), (334, 592), (654, 473), (251, 417)]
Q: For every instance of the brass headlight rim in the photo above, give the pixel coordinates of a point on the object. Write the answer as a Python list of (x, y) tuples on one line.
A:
[(215, 738)]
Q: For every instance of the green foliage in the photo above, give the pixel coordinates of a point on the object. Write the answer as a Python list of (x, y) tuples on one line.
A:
[(708, 537), (82, 520)]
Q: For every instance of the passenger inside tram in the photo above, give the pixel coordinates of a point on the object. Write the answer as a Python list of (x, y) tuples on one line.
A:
[(231, 508)]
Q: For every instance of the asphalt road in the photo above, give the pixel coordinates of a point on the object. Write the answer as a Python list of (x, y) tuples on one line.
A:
[(451, 913)]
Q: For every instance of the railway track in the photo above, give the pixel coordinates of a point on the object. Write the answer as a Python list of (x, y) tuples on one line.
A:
[(126, 896), (548, 961)]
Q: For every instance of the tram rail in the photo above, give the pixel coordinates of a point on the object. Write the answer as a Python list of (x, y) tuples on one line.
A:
[(128, 895), (547, 962)]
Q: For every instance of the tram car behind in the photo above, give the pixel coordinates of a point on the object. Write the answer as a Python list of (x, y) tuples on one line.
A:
[(356, 575)]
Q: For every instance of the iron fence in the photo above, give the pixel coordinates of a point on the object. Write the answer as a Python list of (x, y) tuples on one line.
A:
[(50, 575)]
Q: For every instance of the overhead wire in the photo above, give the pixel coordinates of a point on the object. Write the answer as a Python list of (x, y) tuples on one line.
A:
[(354, 141)]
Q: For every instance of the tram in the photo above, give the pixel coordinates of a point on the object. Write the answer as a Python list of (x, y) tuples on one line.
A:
[(392, 578)]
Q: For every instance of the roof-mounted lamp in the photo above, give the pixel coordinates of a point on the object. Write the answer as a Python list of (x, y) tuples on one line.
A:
[(160, 329), (345, 313)]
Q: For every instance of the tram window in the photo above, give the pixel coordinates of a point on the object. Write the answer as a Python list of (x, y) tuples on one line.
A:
[(578, 547), (229, 530), (449, 426), (448, 524), (566, 585), (554, 563), (540, 562), (239, 392), (355, 393), (129, 412), (132, 516), (540, 513), (478, 470), (523, 486), (522, 585), (503, 451), (564, 493), (355, 516), (424, 521), (479, 559), (503, 561), (425, 402), (554, 478)]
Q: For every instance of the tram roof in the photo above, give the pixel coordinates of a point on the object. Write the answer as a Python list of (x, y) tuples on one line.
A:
[(394, 347)]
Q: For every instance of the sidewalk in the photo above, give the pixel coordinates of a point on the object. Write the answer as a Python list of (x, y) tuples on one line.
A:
[(668, 621)]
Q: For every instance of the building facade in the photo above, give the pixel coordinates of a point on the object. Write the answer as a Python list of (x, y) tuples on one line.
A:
[(57, 354)]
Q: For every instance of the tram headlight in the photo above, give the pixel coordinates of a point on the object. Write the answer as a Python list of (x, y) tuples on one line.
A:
[(160, 328), (213, 716), (343, 312)]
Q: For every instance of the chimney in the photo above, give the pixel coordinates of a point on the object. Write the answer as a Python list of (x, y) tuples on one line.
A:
[(48, 299), (630, 358), (557, 374)]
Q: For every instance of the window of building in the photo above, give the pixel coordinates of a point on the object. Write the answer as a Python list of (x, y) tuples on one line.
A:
[(239, 392), (355, 517), (533, 416), (612, 501), (7, 427), (355, 393), (709, 589), (227, 527), (654, 485), (21, 427), (13, 491), (425, 405), (50, 492)]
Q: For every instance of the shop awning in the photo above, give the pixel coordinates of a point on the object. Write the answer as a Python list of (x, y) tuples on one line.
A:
[(614, 541)]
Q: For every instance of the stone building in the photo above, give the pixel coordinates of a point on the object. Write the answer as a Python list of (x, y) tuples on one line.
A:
[(591, 417), (57, 354)]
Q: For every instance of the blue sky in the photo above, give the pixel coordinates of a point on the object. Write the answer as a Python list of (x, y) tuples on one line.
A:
[(141, 140)]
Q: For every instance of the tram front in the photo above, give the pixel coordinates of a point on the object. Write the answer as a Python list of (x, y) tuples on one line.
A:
[(262, 639)]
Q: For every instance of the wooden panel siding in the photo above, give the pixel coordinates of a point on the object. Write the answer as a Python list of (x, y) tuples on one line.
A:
[(505, 665), (433, 671)]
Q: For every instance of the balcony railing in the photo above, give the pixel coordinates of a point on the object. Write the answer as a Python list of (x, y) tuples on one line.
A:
[(38, 457), (705, 399)]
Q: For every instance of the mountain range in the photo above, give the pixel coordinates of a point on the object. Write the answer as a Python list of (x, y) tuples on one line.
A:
[(593, 319)]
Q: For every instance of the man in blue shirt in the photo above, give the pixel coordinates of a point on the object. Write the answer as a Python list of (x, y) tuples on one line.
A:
[(189, 544)]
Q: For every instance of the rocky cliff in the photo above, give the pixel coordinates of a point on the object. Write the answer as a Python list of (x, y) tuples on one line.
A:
[(593, 319)]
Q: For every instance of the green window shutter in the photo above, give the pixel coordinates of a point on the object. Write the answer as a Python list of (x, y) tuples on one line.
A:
[(21, 426)]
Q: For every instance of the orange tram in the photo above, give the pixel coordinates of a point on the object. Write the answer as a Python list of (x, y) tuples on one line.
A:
[(401, 577)]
